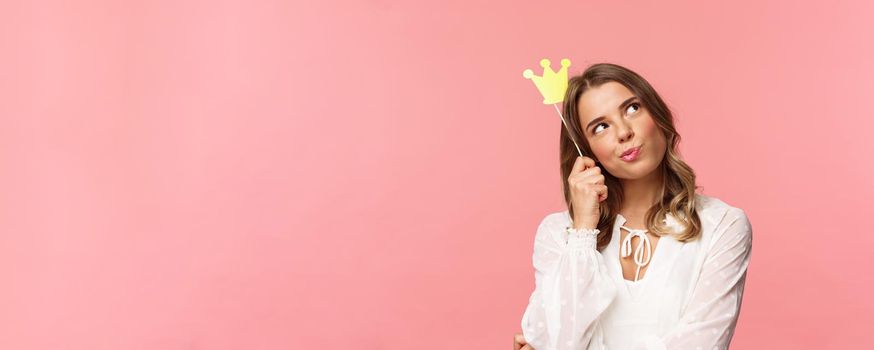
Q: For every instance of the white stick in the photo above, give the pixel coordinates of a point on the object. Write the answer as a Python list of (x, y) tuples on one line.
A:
[(567, 128)]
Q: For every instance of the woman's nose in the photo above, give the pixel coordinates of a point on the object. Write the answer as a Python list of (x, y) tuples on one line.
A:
[(625, 132)]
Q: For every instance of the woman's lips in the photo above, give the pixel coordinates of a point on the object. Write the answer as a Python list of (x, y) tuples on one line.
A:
[(631, 154)]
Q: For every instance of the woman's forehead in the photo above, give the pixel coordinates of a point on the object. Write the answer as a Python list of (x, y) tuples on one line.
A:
[(602, 100)]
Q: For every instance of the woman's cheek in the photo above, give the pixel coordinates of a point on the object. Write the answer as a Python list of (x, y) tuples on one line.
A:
[(603, 154)]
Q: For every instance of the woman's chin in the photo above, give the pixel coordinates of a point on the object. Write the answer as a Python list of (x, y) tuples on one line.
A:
[(634, 171)]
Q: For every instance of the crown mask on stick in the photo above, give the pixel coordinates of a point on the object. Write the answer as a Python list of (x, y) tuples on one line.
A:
[(553, 86)]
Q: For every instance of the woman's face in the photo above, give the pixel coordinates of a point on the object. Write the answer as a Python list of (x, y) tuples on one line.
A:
[(613, 120)]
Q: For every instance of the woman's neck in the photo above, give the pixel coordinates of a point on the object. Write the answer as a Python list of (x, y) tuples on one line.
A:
[(640, 194)]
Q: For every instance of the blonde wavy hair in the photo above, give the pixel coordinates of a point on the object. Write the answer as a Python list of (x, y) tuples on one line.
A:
[(678, 188)]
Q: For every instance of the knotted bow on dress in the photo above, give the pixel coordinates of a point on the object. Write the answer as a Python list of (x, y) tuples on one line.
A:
[(642, 253)]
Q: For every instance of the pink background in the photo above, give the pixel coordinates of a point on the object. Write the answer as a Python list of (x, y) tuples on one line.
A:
[(369, 174)]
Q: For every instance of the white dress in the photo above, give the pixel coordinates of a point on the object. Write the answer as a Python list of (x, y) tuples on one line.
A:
[(689, 297)]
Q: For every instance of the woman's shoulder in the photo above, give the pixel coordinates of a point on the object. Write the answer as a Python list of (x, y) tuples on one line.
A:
[(722, 218), (559, 219), (551, 228), (715, 209)]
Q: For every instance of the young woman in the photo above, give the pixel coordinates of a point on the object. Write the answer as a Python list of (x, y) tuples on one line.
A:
[(652, 265)]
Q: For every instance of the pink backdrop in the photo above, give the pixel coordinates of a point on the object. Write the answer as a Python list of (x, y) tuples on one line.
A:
[(369, 174)]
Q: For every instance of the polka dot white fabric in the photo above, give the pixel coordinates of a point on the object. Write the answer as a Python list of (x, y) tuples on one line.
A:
[(689, 297)]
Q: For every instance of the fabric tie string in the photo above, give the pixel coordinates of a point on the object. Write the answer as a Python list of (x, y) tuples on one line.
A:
[(642, 253)]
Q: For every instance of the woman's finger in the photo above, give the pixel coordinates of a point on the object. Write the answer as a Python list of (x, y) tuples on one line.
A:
[(594, 170), (590, 175), (582, 163), (518, 341), (601, 190), (598, 179)]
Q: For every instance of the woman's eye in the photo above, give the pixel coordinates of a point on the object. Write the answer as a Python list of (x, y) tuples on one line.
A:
[(595, 129), (635, 105), (628, 110)]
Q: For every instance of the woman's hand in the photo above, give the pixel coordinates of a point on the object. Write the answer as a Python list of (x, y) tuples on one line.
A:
[(587, 192), (519, 342)]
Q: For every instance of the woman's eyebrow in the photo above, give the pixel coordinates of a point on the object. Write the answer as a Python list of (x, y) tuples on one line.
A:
[(621, 107)]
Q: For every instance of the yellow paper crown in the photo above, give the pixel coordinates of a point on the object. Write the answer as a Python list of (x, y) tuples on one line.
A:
[(552, 85)]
